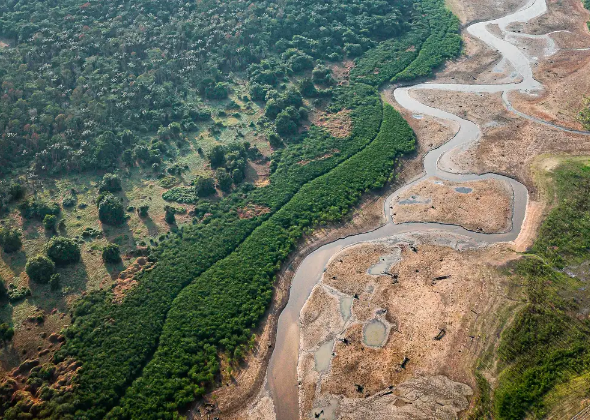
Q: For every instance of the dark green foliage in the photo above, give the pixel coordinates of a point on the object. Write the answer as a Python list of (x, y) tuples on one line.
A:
[(224, 180), (169, 215), (246, 276), (204, 186), (111, 183), (37, 209), (110, 210), (217, 156), (16, 294), (40, 268), (547, 343), (181, 195), (6, 333), (49, 222), (69, 200), (10, 239), (63, 250), (229, 262), (54, 281), (111, 254), (143, 210)]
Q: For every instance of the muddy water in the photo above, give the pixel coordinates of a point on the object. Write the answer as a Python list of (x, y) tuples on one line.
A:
[(282, 370)]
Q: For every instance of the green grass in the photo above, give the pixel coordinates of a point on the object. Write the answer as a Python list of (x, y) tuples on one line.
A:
[(546, 345)]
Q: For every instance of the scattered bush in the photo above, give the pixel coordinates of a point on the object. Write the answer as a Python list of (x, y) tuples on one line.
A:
[(69, 200), (63, 250), (49, 222), (111, 254), (6, 333), (111, 211), (37, 209), (10, 239), (39, 269), (110, 183), (17, 293)]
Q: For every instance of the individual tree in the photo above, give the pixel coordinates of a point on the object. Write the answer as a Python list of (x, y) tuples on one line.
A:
[(10, 239), (111, 254), (169, 216), (204, 186), (217, 156), (6, 333), (63, 250), (224, 180), (111, 211), (143, 210), (49, 222), (40, 268), (285, 124), (111, 183)]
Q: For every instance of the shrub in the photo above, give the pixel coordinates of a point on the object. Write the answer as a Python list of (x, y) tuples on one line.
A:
[(37, 209), (63, 250), (143, 210), (49, 222), (69, 200), (204, 186), (110, 183), (110, 210), (6, 332), (169, 217), (217, 156), (224, 180), (111, 254), (39, 269), (10, 239)]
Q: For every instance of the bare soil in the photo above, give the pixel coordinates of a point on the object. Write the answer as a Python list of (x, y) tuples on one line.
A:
[(487, 207)]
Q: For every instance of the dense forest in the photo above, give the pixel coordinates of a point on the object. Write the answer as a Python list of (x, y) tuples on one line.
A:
[(102, 85)]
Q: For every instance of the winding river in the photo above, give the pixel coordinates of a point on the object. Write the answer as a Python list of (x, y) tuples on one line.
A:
[(282, 369)]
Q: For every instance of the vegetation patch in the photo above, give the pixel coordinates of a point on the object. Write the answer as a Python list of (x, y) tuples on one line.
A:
[(547, 343)]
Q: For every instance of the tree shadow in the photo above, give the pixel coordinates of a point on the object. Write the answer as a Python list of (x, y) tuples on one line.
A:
[(150, 225), (15, 260), (114, 269), (73, 281)]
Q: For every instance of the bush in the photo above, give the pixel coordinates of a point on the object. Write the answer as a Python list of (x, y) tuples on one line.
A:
[(110, 210), (204, 186), (37, 209), (224, 180), (49, 222), (217, 156), (111, 254), (63, 250), (110, 183), (10, 240), (69, 200), (39, 269), (169, 216), (6, 332), (143, 210)]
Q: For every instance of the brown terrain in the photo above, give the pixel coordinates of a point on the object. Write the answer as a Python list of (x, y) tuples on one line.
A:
[(442, 300), (481, 206)]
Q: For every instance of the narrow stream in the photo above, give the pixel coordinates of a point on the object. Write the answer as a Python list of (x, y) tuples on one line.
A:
[(282, 369)]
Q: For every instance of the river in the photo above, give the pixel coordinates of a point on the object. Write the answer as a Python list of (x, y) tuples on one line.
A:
[(282, 369)]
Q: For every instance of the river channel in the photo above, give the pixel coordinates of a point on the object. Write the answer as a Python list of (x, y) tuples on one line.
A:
[(282, 369)]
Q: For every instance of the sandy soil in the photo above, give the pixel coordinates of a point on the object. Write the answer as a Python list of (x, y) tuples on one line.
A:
[(484, 206), (417, 301)]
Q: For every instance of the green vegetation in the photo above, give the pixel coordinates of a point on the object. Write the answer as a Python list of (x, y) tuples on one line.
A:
[(6, 333), (547, 343), (110, 210), (10, 239), (111, 254), (135, 82), (40, 268), (110, 183), (63, 251)]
